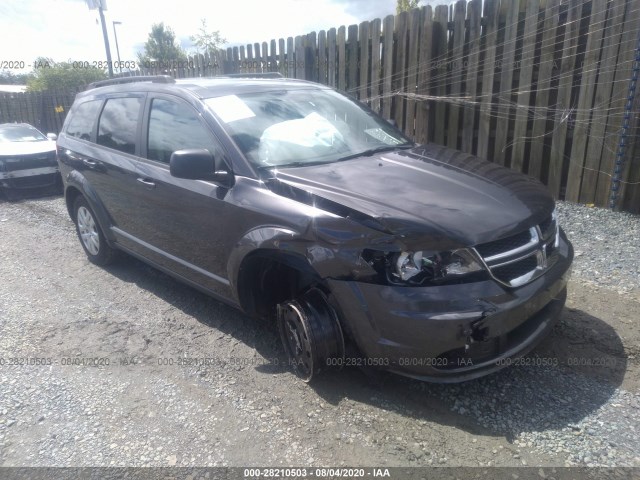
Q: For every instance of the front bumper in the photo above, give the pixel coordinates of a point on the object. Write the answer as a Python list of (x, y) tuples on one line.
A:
[(452, 333), (30, 178)]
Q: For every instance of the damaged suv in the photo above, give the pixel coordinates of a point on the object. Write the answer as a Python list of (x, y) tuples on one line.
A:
[(291, 201)]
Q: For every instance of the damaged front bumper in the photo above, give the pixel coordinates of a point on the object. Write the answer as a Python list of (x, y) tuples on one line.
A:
[(451, 333)]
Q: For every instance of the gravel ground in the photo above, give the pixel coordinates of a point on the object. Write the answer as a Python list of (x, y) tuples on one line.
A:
[(607, 245), (574, 401)]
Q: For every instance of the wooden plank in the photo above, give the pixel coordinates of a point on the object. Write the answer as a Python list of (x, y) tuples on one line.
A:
[(257, 57), (374, 31), (322, 57), (228, 66), (601, 103), (33, 117), (264, 58), (563, 102), (457, 72), (248, 62), (299, 54), (415, 19), (629, 191), (363, 39), (543, 87), (585, 100), (236, 60), (342, 59), (272, 66), (424, 75), (399, 69), (282, 58), (331, 57), (352, 60), (242, 59), (491, 16), (624, 66), (291, 58), (523, 101), (311, 59), (506, 85), (440, 38), (387, 65), (474, 14)]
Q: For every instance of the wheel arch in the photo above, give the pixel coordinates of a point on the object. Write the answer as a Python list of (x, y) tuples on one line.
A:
[(267, 277), (77, 186)]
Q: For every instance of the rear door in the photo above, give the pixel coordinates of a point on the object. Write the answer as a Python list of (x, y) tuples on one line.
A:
[(102, 143)]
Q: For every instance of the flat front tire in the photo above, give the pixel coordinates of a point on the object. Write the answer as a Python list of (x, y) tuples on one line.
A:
[(90, 234), (311, 334)]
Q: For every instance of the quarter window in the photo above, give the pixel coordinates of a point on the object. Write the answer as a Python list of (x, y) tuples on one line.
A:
[(119, 123), (83, 119), (173, 126)]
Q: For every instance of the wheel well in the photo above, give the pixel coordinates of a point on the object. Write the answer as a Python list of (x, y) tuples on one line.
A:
[(264, 280), (70, 197)]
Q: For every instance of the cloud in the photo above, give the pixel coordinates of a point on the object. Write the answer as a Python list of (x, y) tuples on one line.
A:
[(67, 29)]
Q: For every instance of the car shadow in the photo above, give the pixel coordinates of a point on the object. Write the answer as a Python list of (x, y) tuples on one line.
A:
[(555, 380)]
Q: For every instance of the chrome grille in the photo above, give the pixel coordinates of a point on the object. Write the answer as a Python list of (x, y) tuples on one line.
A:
[(520, 258)]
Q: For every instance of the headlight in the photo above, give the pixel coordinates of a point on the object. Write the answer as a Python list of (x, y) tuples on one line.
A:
[(423, 267)]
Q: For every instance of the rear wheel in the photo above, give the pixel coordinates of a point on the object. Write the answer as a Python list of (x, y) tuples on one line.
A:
[(90, 234), (311, 334)]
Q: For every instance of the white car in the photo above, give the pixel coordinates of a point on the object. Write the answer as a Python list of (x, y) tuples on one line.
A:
[(27, 158)]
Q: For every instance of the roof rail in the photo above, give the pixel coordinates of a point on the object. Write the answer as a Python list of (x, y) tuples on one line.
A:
[(133, 79), (253, 75)]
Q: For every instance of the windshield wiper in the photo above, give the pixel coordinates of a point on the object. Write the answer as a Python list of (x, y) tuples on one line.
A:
[(294, 164), (378, 149)]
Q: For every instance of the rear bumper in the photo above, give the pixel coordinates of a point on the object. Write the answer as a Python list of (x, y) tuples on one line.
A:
[(452, 333)]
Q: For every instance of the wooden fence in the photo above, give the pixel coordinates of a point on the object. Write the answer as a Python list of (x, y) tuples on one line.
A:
[(541, 86), (44, 110)]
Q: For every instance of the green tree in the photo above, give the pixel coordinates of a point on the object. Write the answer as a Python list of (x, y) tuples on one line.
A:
[(9, 78), (48, 75), (406, 5), (161, 46), (205, 40)]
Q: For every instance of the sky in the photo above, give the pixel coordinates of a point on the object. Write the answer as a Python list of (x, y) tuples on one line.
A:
[(67, 30)]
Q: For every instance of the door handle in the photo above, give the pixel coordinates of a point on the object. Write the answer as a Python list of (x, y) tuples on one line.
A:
[(146, 183), (89, 163)]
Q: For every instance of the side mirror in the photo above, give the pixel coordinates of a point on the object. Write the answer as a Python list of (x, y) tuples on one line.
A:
[(392, 122), (52, 136), (199, 164)]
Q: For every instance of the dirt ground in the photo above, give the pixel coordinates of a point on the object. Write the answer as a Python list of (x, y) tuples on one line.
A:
[(151, 405)]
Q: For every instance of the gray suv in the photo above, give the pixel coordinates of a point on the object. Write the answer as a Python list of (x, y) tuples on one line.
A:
[(291, 201)]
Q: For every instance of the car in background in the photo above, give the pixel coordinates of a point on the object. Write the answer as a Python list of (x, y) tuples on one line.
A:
[(27, 158)]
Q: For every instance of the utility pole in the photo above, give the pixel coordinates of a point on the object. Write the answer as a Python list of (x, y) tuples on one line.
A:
[(115, 36), (101, 5)]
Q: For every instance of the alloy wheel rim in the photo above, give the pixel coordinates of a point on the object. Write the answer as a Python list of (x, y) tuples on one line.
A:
[(88, 231)]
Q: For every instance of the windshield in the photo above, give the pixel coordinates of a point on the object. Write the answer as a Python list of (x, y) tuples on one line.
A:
[(302, 127), (20, 133)]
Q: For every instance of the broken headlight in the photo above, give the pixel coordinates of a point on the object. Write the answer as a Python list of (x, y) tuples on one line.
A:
[(424, 267)]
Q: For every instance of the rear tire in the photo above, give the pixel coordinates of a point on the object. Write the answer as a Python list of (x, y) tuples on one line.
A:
[(311, 334), (90, 234)]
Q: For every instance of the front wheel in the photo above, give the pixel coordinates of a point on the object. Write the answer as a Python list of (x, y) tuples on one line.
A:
[(311, 334), (90, 234)]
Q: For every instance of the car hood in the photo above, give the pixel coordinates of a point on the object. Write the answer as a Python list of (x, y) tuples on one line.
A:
[(430, 193), (26, 148)]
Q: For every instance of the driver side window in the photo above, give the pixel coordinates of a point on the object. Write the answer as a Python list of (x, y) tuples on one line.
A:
[(174, 126)]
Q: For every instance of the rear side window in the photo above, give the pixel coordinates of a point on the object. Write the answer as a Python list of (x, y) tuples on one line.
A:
[(83, 118), (173, 126), (119, 124)]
